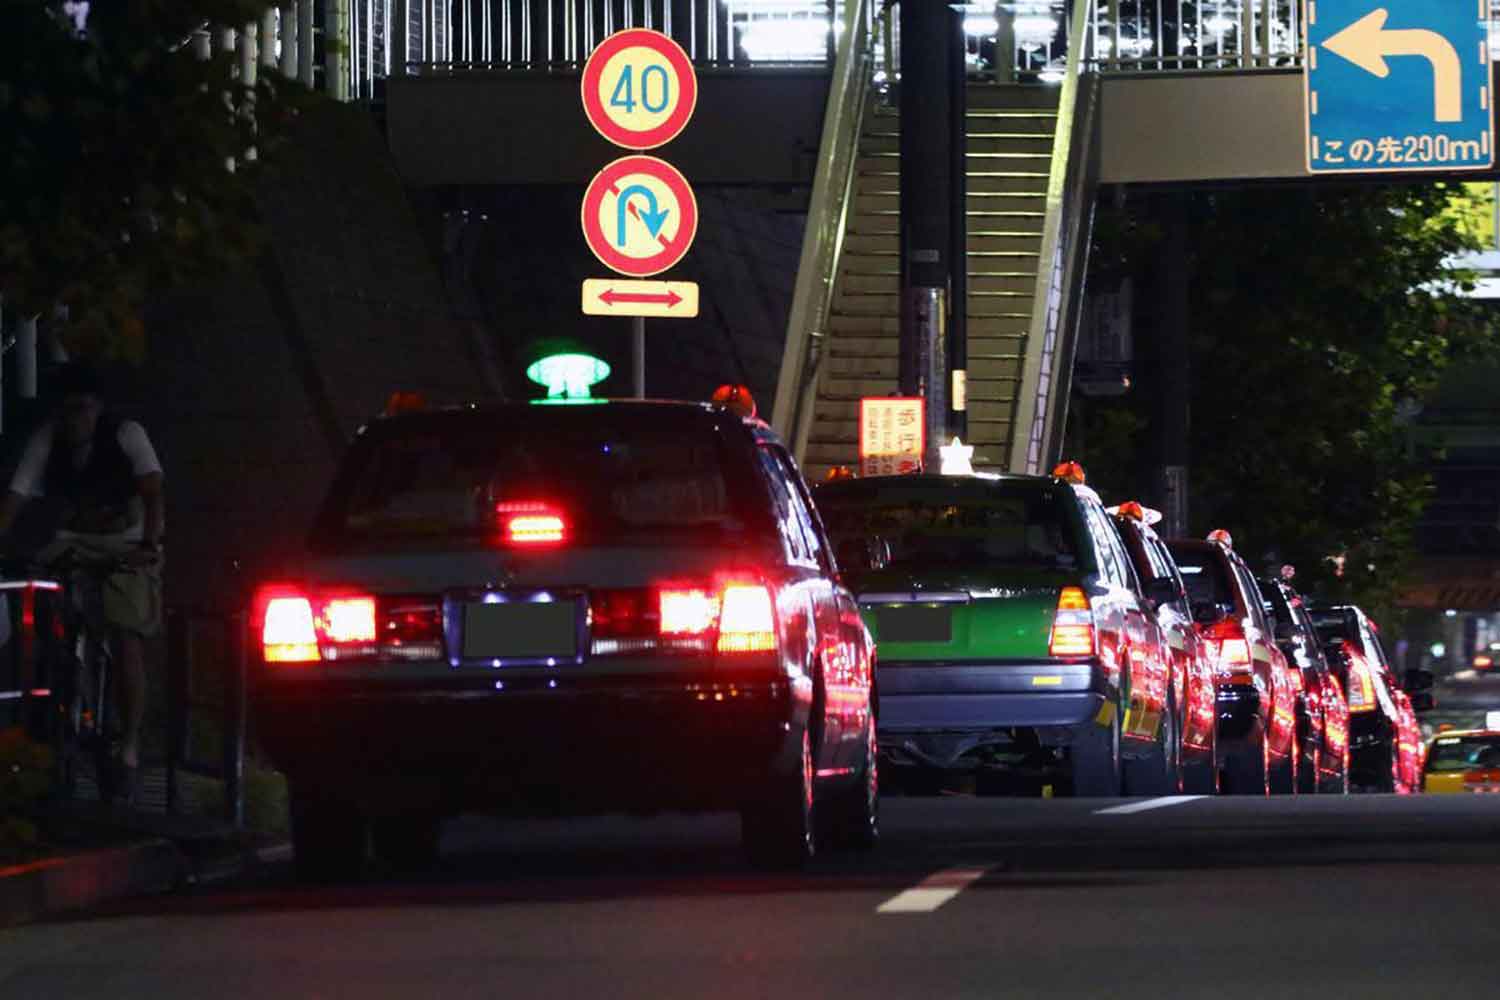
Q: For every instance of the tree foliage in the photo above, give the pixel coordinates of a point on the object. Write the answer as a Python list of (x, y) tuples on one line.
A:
[(1321, 319), (119, 138)]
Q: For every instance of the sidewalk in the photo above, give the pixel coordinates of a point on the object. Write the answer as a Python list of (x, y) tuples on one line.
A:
[(111, 852)]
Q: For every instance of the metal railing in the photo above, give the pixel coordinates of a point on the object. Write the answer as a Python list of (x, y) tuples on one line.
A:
[(1156, 36), (1047, 371), (827, 216)]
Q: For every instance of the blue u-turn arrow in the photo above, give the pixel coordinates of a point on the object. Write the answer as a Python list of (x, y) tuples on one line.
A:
[(653, 218)]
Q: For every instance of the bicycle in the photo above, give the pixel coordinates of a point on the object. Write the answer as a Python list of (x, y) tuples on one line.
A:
[(83, 724)]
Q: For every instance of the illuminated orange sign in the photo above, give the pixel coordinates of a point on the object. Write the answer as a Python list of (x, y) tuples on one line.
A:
[(891, 435)]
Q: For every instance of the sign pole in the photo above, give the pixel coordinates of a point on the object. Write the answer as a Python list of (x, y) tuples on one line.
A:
[(638, 352)]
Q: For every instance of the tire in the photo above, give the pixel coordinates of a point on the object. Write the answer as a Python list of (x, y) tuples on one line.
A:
[(851, 820), (1160, 771), (1309, 768), (328, 837), (1096, 760), (1247, 773), (1283, 775), (1385, 781), (778, 828), (1338, 785), (407, 843)]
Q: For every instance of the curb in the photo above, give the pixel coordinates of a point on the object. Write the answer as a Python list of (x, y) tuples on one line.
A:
[(79, 881)]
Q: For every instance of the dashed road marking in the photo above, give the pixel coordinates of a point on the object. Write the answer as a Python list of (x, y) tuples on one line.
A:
[(1157, 803), (933, 891)]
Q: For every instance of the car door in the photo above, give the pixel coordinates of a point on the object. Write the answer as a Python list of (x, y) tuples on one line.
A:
[(1270, 662), (1196, 688), (812, 567), (1127, 638)]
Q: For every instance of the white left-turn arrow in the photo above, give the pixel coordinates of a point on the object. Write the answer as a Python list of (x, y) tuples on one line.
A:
[(1366, 43)]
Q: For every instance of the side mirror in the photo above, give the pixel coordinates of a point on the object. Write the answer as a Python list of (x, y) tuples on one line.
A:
[(1416, 680), (1162, 590), (1423, 701)]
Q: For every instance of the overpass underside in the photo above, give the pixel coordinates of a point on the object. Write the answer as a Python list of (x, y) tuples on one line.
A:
[(798, 98)]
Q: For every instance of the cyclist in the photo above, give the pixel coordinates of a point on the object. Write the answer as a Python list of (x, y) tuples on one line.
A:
[(104, 476)]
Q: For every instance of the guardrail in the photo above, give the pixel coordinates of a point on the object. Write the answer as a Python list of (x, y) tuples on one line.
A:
[(1167, 36)]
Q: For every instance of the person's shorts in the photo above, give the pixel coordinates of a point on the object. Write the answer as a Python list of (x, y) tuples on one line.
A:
[(131, 597)]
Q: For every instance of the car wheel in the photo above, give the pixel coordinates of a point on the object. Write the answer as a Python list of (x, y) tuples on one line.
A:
[(1337, 785), (1385, 778), (328, 837), (777, 829), (1200, 770), (1309, 773), (852, 819), (407, 842), (1247, 772), (1283, 774), (1096, 760), (1160, 771)]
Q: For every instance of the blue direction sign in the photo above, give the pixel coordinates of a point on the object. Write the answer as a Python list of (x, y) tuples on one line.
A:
[(1398, 85)]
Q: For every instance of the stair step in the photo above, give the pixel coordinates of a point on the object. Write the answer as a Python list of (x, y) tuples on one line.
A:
[(889, 223), (986, 96), (978, 144), (837, 407), (1021, 203), (887, 244)]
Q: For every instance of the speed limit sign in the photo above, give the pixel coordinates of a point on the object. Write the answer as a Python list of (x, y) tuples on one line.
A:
[(639, 89)]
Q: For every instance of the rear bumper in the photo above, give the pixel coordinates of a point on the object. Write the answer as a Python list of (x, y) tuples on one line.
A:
[(934, 714), (575, 748)]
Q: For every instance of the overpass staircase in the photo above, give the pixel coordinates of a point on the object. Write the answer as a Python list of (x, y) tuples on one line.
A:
[(1029, 200)]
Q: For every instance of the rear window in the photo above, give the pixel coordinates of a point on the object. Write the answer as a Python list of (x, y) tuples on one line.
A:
[(437, 479), (1460, 753), (948, 525), (1205, 575)]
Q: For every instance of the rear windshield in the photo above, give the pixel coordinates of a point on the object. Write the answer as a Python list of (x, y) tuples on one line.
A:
[(947, 525), (1459, 753), (1205, 574), (434, 479)]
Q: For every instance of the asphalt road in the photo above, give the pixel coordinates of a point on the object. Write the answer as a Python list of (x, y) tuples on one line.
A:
[(1369, 896)]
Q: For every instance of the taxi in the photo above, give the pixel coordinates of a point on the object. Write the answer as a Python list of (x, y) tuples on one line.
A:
[(626, 606), (1191, 699), (1011, 634), (1463, 762)]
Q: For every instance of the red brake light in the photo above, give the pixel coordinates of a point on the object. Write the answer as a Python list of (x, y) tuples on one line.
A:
[(687, 610), (1072, 625), (287, 633), (1361, 686), (1226, 640), (348, 619), (531, 523), (747, 621)]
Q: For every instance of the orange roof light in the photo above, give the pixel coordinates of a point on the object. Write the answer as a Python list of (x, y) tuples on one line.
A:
[(1133, 510), (1222, 537), (736, 399), (1071, 472), (839, 472)]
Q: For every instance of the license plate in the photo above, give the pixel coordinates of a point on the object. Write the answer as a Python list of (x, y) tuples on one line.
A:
[(521, 630), (914, 624)]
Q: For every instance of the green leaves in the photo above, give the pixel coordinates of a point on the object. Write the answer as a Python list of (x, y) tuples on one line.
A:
[(114, 179)]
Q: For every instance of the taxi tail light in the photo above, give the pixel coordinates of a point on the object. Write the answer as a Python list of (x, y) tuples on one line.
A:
[(1487, 780), (1361, 694), (747, 621), (302, 626), (731, 615), (531, 523), (1226, 641), (1072, 625)]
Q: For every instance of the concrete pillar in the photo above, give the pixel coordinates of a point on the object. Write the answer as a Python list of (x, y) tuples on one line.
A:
[(288, 54), (268, 34), (305, 47), (26, 358), (247, 49), (335, 45)]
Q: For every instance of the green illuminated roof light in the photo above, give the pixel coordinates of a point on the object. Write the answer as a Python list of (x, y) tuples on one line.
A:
[(568, 376)]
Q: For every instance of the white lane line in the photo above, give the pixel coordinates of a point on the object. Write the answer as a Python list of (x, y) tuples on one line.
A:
[(1140, 807), (933, 891)]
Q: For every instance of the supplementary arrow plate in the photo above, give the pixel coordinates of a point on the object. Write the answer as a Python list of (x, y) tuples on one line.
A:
[(622, 297)]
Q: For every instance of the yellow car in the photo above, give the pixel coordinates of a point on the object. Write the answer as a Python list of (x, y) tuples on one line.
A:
[(1463, 762)]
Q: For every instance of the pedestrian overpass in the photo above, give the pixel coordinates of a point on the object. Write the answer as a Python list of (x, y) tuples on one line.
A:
[(799, 93)]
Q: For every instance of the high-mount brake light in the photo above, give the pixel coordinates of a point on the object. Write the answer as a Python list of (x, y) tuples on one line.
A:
[(1222, 537), (1072, 625), (531, 523), (1071, 472)]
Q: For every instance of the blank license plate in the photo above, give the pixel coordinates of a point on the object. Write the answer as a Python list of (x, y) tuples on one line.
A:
[(521, 630), (914, 624)]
